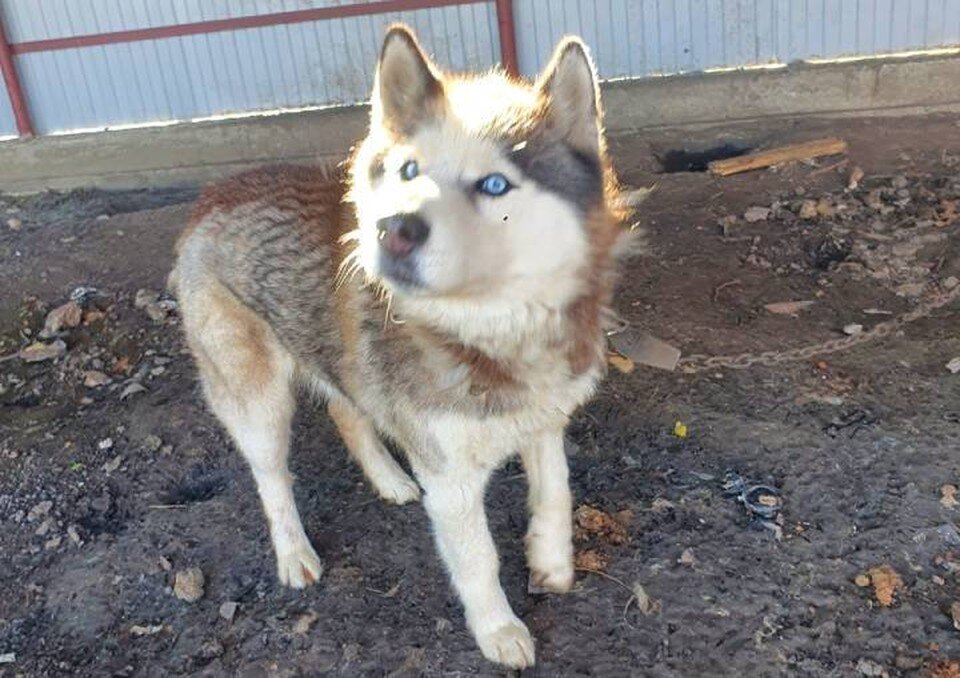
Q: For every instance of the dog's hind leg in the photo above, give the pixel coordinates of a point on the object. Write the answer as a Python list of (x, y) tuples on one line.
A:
[(389, 480), (550, 534), (248, 380)]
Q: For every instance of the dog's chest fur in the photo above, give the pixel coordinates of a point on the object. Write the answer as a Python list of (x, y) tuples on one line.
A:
[(273, 237)]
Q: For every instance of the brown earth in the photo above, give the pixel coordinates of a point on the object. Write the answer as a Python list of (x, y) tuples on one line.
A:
[(856, 443)]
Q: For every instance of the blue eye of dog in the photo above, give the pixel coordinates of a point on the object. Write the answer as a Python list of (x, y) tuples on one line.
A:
[(409, 170), (494, 185)]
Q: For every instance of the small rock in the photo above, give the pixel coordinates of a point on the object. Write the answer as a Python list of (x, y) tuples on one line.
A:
[(211, 649), (908, 662), (152, 443), (188, 584), (137, 630), (91, 317), (911, 289), (102, 503), (39, 511), (132, 389), (14, 224), (38, 352), (873, 199), (948, 495), (808, 210), (687, 558), (856, 176), (852, 329), (103, 217), (165, 564), (899, 182), (144, 297), (74, 535), (45, 527), (229, 609), (52, 543), (950, 283), (113, 464), (149, 302), (8, 658), (105, 444), (825, 208), (645, 603), (868, 667), (62, 317), (955, 614), (96, 379), (303, 623), (953, 366), (156, 312), (756, 213)]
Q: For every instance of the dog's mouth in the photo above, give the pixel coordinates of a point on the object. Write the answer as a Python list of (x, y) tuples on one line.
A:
[(401, 272)]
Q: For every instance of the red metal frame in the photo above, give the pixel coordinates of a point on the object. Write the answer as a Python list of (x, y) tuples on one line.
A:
[(12, 80), (504, 8), (508, 37)]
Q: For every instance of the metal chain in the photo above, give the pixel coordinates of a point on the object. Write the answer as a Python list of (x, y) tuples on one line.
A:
[(701, 362)]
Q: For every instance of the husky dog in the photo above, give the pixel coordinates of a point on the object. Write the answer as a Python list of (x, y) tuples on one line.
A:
[(444, 293)]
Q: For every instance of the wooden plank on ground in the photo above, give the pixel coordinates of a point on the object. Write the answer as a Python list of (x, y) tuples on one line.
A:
[(777, 156)]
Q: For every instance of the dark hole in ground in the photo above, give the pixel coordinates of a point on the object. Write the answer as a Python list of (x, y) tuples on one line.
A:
[(198, 486), (828, 250), (684, 160)]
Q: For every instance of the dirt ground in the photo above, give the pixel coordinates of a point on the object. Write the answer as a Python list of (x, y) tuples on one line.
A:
[(114, 477)]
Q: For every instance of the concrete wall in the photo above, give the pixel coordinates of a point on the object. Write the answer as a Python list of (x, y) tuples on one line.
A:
[(201, 151)]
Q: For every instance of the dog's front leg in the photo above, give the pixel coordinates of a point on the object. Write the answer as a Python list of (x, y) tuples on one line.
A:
[(454, 502), (550, 534)]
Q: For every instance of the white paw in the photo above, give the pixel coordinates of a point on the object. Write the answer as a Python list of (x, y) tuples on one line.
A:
[(551, 569), (396, 487), (299, 566), (510, 645)]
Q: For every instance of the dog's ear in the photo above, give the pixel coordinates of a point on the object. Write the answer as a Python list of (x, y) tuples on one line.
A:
[(569, 83), (407, 88)]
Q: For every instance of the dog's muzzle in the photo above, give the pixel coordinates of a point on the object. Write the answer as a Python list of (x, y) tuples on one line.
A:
[(400, 236)]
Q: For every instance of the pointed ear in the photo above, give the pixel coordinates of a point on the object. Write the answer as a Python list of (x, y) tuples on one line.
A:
[(569, 83), (407, 88)]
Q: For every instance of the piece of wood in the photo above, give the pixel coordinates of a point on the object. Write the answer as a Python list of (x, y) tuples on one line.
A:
[(776, 156)]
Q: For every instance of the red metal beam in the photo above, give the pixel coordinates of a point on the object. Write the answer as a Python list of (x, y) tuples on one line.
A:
[(236, 23), (14, 91), (508, 37)]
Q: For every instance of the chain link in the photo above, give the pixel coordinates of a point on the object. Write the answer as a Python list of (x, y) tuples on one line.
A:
[(693, 364)]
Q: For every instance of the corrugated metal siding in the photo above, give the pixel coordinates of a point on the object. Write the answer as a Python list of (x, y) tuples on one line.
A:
[(331, 62), (325, 62), (636, 38), (8, 125)]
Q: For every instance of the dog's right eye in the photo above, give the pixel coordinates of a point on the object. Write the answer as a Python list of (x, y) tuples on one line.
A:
[(409, 170)]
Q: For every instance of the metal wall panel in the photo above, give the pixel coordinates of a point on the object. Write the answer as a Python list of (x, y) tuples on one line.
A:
[(330, 62), (8, 124), (636, 38), (287, 66)]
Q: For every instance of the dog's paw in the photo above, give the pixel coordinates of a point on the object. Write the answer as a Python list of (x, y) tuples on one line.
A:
[(396, 487), (556, 579), (300, 566), (551, 569), (510, 645)]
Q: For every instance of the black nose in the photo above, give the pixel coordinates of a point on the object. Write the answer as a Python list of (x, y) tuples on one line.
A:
[(401, 234)]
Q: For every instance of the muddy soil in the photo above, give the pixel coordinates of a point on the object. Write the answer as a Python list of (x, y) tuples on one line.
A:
[(114, 477)]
